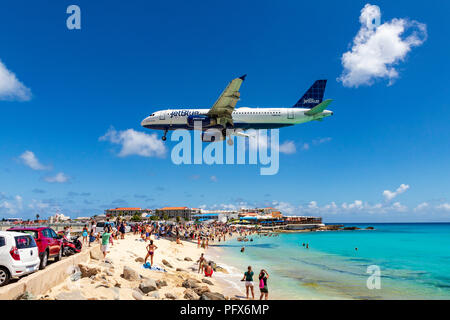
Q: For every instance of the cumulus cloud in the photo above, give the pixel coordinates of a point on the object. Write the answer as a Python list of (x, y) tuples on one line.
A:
[(288, 147), (11, 206), (58, 178), (444, 206), (29, 159), (378, 48), (10, 87), (389, 195), (135, 143), (422, 206)]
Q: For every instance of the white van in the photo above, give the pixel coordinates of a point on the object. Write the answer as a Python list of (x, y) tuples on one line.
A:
[(19, 255)]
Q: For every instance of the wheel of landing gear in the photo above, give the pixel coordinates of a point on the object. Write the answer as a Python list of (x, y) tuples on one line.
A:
[(230, 142), (164, 138)]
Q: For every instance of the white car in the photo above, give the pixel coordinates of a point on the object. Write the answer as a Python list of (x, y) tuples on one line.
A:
[(19, 255)]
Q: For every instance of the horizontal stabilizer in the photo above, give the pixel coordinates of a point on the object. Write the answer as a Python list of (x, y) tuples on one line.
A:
[(319, 108)]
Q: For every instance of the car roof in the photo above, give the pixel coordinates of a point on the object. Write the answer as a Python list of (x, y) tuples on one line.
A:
[(12, 233), (28, 228)]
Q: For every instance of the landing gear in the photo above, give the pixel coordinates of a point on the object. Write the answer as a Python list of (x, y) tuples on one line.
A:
[(230, 142), (164, 138)]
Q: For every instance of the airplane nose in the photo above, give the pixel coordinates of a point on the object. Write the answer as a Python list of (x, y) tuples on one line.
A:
[(144, 122)]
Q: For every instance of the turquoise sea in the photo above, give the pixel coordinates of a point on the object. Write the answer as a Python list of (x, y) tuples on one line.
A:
[(414, 260)]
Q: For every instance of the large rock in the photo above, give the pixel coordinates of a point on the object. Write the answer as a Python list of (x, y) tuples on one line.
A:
[(96, 254), (161, 283), (167, 263), (130, 274), (190, 283), (139, 259), (187, 259), (201, 290), (137, 295), (72, 295), (189, 294), (220, 269), (181, 270), (171, 296), (88, 271), (155, 295), (148, 285), (207, 282), (212, 296)]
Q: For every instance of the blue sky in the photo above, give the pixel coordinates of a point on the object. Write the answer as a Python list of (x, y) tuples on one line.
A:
[(132, 58)]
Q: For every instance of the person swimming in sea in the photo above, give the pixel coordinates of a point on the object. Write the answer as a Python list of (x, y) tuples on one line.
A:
[(242, 249)]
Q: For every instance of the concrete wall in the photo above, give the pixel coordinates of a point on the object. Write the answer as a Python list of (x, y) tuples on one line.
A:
[(41, 281)]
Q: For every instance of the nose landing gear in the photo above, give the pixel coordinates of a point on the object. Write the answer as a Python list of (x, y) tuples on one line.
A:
[(164, 138)]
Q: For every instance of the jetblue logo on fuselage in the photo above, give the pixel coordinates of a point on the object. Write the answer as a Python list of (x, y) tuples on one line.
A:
[(310, 100), (183, 113)]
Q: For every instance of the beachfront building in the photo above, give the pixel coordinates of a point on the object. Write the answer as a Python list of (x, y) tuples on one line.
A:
[(185, 213), (127, 212), (303, 222), (58, 217)]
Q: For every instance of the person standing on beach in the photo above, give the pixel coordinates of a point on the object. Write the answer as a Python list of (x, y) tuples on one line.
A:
[(263, 276), (248, 278), (201, 263), (85, 235), (105, 241), (150, 252)]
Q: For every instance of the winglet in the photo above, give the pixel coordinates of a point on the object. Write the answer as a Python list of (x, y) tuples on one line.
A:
[(243, 77)]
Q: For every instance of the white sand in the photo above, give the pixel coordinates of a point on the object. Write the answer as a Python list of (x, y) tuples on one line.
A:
[(109, 284)]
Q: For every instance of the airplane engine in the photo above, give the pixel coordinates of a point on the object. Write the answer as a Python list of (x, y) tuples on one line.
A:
[(212, 135), (204, 120)]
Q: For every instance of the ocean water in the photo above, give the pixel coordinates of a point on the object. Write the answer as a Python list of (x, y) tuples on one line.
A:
[(414, 262)]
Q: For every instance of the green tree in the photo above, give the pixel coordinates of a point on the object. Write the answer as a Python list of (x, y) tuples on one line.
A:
[(178, 219), (136, 218)]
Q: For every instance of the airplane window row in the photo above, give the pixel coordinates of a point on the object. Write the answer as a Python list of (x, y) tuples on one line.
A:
[(265, 112)]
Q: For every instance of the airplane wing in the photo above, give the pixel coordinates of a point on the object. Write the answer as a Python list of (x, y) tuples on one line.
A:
[(224, 106), (240, 134)]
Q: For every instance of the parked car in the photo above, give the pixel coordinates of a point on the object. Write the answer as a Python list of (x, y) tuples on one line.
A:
[(19, 255), (100, 226), (48, 242)]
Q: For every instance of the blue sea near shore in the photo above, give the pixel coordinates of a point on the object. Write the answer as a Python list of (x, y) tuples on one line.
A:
[(414, 260)]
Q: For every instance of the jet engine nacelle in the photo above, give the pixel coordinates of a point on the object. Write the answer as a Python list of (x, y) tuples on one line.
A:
[(212, 135), (205, 121)]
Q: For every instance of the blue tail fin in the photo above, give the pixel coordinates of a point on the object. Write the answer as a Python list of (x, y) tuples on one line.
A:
[(313, 96)]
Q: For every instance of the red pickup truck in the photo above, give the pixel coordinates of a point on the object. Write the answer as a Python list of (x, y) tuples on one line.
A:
[(48, 242)]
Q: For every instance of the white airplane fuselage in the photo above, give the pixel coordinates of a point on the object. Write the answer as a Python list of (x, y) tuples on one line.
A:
[(243, 118)]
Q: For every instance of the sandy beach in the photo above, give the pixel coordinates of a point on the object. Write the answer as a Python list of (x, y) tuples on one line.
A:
[(123, 277)]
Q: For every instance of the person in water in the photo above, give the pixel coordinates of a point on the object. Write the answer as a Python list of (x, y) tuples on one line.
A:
[(150, 252), (209, 270), (263, 276), (248, 278), (242, 249)]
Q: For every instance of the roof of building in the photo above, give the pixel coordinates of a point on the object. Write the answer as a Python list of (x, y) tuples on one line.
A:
[(122, 209), (174, 208)]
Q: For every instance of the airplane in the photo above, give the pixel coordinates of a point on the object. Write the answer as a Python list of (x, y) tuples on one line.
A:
[(230, 121)]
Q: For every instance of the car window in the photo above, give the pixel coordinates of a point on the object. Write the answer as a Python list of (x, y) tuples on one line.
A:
[(2, 241), (25, 242), (46, 233), (53, 233), (34, 234), (100, 224)]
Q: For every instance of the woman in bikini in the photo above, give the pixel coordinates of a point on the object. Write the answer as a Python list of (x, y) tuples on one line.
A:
[(150, 251)]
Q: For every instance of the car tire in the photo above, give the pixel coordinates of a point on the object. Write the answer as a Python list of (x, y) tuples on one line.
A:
[(44, 260), (4, 276), (59, 256)]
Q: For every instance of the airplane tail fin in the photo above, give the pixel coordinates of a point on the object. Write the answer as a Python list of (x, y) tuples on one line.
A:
[(313, 96)]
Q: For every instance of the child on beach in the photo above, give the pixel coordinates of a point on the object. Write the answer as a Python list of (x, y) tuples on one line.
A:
[(150, 252)]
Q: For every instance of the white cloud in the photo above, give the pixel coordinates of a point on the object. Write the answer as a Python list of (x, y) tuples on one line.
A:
[(213, 178), (444, 206), (389, 195), (422, 206), (378, 49), (136, 143), (58, 178), (321, 140), (12, 206), (288, 147), (30, 160), (10, 87)]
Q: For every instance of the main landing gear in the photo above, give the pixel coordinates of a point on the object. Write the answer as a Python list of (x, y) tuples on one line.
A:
[(230, 140)]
